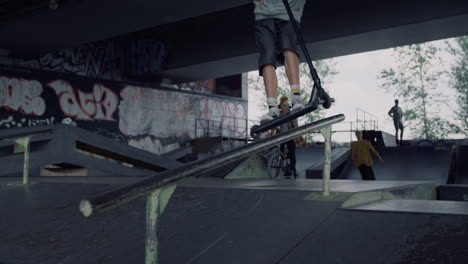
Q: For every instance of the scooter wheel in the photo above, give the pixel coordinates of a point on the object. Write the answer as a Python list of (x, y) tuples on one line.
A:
[(327, 100), (252, 129)]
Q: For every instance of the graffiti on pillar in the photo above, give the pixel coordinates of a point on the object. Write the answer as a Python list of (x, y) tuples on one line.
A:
[(142, 111), (96, 61), (99, 104), (108, 60), (230, 115), (22, 95), (159, 113), (146, 56), (206, 86)]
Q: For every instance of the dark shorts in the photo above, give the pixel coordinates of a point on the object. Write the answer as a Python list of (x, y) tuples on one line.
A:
[(367, 173), (272, 37), (398, 124)]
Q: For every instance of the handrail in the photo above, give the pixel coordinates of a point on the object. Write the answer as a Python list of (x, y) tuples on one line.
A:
[(112, 199)]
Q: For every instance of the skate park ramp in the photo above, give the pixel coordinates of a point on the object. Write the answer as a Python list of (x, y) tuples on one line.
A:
[(407, 164), (58, 148), (379, 138), (314, 159), (238, 221), (461, 156)]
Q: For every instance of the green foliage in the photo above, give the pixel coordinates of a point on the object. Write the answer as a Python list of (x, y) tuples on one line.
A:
[(414, 81), (459, 82)]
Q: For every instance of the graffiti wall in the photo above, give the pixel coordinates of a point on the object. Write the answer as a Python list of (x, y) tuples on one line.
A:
[(123, 60), (144, 117), (109, 60)]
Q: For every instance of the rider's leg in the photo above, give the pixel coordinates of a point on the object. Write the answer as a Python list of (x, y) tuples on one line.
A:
[(271, 84), (271, 88), (287, 42), (291, 64), (292, 156), (395, 123), (401, 135), (266, 36)]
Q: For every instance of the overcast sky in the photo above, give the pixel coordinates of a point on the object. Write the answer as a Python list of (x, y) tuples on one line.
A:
[(357, 86)]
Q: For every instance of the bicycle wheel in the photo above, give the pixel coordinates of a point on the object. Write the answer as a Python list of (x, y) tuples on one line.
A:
[(275, 164)]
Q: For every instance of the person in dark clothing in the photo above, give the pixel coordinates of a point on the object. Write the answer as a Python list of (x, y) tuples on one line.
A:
[(290, 145), (397, 114)]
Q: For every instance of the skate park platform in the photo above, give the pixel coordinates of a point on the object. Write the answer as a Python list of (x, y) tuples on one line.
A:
[(461, 165), (379, 138), (218, 220), (211, 220)]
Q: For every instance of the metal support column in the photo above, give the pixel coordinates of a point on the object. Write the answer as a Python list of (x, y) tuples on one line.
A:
[(152, 214), (326, 133), (156, 202), (25, 142)]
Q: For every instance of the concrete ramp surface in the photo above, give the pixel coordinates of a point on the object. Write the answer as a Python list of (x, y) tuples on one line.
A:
[(407, 164)]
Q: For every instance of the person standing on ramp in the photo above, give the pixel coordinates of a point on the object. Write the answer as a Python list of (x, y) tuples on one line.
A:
[(397, 114), (362, 158), (276, 41)]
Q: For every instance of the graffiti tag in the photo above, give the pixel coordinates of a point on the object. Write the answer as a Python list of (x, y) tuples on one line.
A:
[(100, 104), (21, 95)]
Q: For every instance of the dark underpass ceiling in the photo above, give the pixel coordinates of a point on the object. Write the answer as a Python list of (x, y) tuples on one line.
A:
[(29, 27), (216, 38)]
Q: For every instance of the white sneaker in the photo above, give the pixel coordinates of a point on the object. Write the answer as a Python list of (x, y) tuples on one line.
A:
[(297, 106), (272, 114), (296, 103)]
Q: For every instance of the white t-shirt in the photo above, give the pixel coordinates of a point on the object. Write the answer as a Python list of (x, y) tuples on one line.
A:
[(275, 9)]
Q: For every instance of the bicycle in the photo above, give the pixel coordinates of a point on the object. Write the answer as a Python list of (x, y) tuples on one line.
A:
[(277, 162)]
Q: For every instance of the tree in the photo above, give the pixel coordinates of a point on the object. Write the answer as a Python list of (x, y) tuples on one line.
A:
[(459, 82), (415, 82)]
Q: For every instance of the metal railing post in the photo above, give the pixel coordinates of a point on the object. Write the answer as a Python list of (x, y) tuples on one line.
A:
[(152, 213), (156, 202), (326, 132), (246, 130)]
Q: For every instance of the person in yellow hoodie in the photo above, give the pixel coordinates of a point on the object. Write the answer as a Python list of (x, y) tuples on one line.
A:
[(362, 157)]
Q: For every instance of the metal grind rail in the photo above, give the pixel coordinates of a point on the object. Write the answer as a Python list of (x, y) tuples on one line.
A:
[(158, 187), (24, 140)]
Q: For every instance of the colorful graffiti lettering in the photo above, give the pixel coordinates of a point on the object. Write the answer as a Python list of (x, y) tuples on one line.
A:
[(22, 95), (99, 104)]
